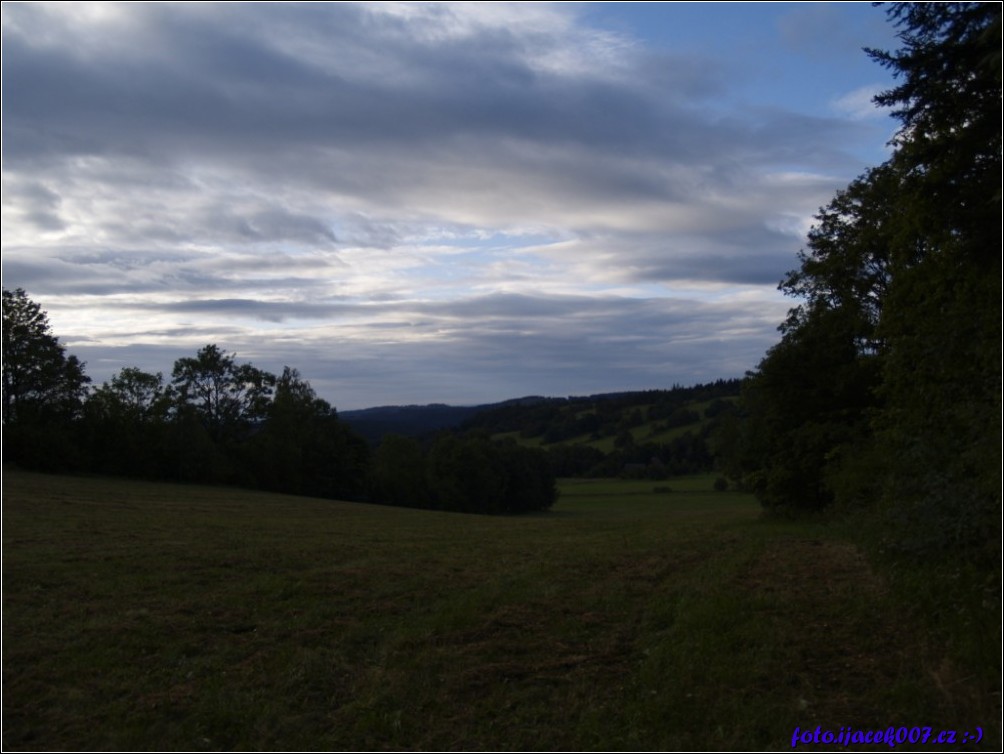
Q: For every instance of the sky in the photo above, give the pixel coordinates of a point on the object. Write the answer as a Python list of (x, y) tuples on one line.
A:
[(429, 202)]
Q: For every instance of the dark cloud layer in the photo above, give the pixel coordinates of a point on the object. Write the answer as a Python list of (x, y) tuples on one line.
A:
[(480, 349), (483, 199)]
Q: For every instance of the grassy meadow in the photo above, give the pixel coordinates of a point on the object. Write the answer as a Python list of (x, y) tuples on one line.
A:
[(150, 616)]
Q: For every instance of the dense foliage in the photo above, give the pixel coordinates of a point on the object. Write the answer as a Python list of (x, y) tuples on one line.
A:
[(885, 389), (462, 473), (220, 421), (653, 433), (43, 388)]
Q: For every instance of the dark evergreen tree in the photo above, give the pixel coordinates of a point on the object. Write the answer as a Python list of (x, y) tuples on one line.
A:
[(887, 384), (940, 429), (948, 101)]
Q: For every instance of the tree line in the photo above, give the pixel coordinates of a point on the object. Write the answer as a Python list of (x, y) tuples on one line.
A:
[(219, 421), (215, 420), (884, 392), (556, 420), (630, 422)]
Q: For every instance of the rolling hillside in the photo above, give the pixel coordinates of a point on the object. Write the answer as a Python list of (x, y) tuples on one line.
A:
[(648, 414)]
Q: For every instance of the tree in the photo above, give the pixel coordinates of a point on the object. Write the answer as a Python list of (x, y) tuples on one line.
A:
[(463, 476), (127, 421), (218, 404), (528, 478), (39, 379), (808, 398), (398, 473), (475, 475), (43, 388), (302, 447), (136, 394), (900, 324), (948, 102), (939, 429), (847, 265), (227, 397)]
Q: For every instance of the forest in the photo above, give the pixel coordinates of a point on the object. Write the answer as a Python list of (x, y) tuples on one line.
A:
[(884, 392), (882, 397), (221, 421)]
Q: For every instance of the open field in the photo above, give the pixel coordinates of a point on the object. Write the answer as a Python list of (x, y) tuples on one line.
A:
[(151, 616)]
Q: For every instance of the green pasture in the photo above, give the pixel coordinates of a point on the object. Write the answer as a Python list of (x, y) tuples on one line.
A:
[(642, 434), (151, 616)]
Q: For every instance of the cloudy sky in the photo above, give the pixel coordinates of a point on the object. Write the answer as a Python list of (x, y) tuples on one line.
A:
[(416, 203)]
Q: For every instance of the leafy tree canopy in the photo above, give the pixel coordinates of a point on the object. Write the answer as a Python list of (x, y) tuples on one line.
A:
[(892, 361), (227, 396), (40, 381)]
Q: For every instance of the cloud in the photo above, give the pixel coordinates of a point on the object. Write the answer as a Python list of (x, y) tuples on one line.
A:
[(452, 186), (503, 345), (859, 104)]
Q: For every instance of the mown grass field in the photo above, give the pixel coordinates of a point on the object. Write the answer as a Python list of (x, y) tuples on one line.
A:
[(151, 616)]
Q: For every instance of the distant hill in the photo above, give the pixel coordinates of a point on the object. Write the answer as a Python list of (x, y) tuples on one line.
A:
[(415, 421), (649, 433), (655, 415), (650, 415), (411, 421)]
